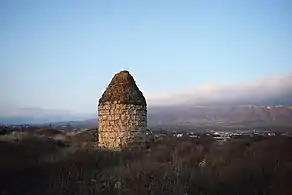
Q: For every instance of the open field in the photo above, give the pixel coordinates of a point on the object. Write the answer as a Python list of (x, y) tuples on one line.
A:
[(59, 164)]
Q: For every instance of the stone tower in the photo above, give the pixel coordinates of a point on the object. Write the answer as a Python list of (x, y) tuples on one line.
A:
[(122, 113)]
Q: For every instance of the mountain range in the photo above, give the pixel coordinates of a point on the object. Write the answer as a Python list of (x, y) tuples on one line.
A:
[(264, 101), (40, 116), (184, 116)]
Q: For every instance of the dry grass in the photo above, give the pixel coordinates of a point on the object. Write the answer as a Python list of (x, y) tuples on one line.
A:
[(123, 89), (170, 167)]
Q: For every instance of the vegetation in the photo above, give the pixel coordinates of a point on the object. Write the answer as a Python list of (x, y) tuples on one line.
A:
[(49, 165), (123, 90)]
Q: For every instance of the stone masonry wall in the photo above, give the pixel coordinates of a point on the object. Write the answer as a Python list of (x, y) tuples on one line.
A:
[(117, 123)]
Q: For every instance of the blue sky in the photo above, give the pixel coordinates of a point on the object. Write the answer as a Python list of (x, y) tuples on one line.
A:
[(60, 54)]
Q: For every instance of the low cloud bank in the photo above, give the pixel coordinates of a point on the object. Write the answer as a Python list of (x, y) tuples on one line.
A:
[(275, 89)]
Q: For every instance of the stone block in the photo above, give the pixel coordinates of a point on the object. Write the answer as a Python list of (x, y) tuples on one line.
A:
[(119, 123)]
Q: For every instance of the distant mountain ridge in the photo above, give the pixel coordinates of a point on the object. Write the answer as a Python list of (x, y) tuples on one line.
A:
[(252, 102), (191, 116), (40, 116), (223, 115)]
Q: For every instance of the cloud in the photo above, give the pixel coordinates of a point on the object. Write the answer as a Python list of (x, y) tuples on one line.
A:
[(262, 89)]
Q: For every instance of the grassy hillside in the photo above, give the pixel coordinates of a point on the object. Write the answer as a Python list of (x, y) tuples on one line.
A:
[(34, 164)]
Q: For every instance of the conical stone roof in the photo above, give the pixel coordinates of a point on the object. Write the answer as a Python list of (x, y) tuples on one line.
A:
[(123, 90)]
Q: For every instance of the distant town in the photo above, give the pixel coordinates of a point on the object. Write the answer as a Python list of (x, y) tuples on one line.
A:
[(220, 136)]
